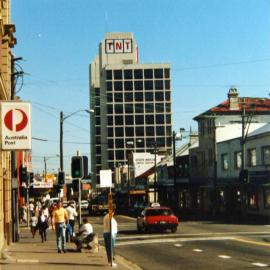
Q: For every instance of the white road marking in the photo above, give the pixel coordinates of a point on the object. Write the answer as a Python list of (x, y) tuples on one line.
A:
[(224, 257), (178, 245), (260, 264), (171, 240), (27, 261), (197, 250)]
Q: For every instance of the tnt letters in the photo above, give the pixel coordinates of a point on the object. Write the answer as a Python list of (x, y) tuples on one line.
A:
[(118, 45)]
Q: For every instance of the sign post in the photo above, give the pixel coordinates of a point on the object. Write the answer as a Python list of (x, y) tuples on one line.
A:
[(106, 181)]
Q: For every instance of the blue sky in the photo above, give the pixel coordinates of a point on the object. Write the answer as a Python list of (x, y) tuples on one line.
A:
[(210, 44)]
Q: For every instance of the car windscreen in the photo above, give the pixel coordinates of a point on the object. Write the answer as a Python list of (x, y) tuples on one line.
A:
[(158, 212)]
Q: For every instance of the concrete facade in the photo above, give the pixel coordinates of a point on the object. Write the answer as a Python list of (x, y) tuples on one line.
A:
[(131, 102)]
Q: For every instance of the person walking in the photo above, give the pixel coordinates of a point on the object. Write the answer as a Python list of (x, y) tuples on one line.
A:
[(43, 225), (60, 218), (33, 224), (72, 213), (109, 233)]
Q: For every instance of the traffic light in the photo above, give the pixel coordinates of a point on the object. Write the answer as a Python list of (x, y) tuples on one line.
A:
[(244, 176), (31, 177), (61, 179), (79, 166), (75, 185), (24, 175)]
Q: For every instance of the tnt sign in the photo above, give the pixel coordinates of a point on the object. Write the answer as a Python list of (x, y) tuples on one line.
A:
[(118, 45), (16, 125)]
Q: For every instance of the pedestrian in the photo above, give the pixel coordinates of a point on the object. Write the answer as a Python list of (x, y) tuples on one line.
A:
[(43, 225), (72, 213), (51, 209), (33, 224), (109, 233), (85, 231), (60, 218), (31, 208)]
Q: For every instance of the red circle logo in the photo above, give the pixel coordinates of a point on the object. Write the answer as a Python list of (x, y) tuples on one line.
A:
[(18, 126)]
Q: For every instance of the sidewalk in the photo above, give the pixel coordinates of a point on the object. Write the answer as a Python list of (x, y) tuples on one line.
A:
[(31, 254)]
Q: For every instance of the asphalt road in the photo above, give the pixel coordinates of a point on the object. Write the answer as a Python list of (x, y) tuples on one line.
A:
[(196, 245)]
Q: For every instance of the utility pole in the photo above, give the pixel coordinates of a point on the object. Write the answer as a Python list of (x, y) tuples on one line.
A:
[(174, 172), (61, 140), (155, 179)]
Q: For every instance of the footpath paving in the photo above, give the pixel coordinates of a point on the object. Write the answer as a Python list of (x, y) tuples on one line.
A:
[(29, 254)]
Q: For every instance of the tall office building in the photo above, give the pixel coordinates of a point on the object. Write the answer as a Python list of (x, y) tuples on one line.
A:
[(131, 102)]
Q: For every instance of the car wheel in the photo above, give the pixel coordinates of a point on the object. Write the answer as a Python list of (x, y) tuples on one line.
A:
[(174, 229)]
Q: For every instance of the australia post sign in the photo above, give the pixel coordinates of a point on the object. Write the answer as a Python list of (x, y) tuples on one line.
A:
[(16, 125)]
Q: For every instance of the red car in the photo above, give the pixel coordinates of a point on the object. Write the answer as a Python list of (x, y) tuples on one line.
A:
[(157, 217)]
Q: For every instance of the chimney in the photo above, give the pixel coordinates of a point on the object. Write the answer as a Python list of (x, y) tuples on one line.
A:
[(233, 99)]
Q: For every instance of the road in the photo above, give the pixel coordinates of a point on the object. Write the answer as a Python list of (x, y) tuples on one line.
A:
[(195, 245)]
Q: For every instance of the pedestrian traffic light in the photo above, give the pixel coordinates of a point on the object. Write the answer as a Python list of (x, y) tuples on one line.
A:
[(61, 179), (24, 175), (244, 176), (75, 185)]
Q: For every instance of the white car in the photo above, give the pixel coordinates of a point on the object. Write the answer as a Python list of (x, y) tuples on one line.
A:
[(84, 204)]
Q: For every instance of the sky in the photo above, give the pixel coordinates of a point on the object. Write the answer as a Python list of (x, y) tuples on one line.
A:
[(212, 45)]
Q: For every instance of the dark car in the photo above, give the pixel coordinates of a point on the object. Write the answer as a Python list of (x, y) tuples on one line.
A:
[(157, 217)]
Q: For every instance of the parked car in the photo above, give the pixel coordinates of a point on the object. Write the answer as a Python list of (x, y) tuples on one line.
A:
[(157, 217), (84, 204)]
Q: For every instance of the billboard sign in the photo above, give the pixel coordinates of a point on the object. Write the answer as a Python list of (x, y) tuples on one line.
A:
[(105, 178), (118, 46), (16, 125)]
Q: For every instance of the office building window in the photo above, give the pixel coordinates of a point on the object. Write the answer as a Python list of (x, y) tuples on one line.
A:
[(148, 85), (109, 97), (111, 155), (109, 86), (167, 85), (118, 108), (128, 74), (119, 132), (129, 97), (150, 131), (119, 154), (266, 155), (110, 132), (110, 109), (138, 96), (167, 96), (129, 120), (139, 119), (149, 107), (128, 85), (139, 131), (252, 157), (158, 84), (117, 74), (149, 119), (119, 143), (98, 150), (108, 74), (167, 73), (118, 86), (118, 120), (138, 74), (149, 96), (118, 97), (238, 160), (139, 108), (138, 85), (159, 118), (110, 143), (148, 73), (159, 96), (158, 73), (160, 131), (129, 131), (128, 108), (225, 162), (168, 119)]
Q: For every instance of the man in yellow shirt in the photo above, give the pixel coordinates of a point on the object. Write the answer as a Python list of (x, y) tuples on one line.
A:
[(60, 218)]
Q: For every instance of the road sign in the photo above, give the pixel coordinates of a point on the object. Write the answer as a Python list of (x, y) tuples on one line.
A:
[(16, 125)]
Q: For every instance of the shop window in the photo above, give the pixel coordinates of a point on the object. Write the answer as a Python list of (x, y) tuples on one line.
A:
[(253, 200), (267, 198)]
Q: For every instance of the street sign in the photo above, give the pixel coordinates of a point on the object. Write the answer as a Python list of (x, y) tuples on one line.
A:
[(16, 125)]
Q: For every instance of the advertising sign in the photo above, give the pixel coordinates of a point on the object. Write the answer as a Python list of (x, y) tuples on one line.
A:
[(105, 178), (118, 46), (16, 125)]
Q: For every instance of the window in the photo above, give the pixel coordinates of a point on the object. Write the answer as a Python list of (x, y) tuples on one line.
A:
[(118, 120), (138, 96), (109, 86), (110, 120), (139, 131), (128, 74), (158, 84), (138, 85), (117, 74), (109, 97), (149, 119), (160, 131), (225, 162), (252, 157), (110, 143), (159, 118), (150, 131), (167, 73), (266, 155), (129, 97), (118, 86), (167, 96), (138, 108), (129, 131), (158, 73), (119, 143), (159, 107), (149, 96), (253, 200), (108, 74), (128, 85), (148, 85), (159, 96), (118, 108), (119, 154), (128, 108), (139, 119), (138, 74), (238, 160), (110, 132), (148, 73), (119, 132), (267, 198), (167, 85), (118, 97), (129, 119)]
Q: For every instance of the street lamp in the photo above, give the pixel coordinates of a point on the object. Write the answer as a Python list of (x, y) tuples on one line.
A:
[(62, 118)]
